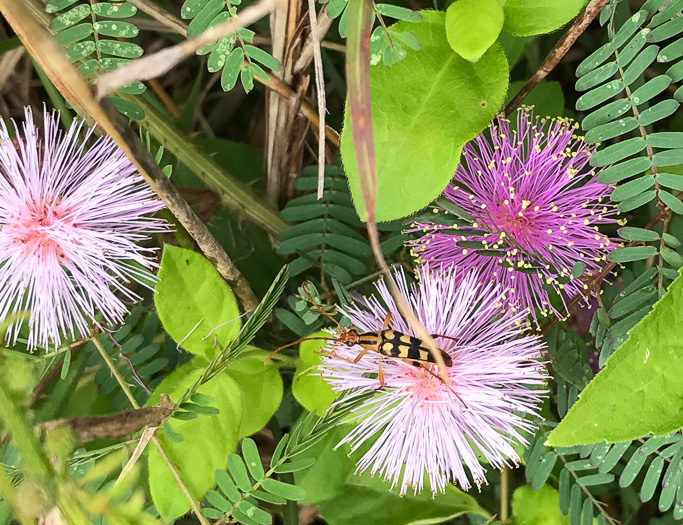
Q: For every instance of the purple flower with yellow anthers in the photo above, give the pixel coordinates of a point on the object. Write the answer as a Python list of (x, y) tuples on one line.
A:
[(418, 427), (70, 221), (537, 207)]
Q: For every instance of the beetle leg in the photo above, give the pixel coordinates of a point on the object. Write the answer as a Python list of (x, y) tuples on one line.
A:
[(361, 354), (380, 374)]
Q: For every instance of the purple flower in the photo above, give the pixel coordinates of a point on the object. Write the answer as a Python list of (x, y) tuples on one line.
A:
[(536, 205), (69, 223), (416, 425)]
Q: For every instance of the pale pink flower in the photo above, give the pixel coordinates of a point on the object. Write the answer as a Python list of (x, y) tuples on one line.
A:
[(70, 220), (418, 427)]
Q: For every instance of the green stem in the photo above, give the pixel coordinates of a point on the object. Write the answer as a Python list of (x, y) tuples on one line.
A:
[(124, 386)]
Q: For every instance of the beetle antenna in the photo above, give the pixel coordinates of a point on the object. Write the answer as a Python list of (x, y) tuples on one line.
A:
[(295, 343), (320, 309)]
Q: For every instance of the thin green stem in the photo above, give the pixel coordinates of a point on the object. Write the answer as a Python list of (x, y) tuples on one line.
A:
[(124, 386), (115, 372)]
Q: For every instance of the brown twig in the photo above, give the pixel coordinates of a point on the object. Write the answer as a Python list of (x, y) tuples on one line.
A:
[(580, 24)]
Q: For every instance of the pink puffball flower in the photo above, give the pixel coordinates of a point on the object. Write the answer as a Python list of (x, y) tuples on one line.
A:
[(537, 207), (415, 425), (70, 221)]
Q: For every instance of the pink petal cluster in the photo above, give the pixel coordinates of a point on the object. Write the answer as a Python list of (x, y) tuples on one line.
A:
[(537, 208), (70, 220), (417, 427)]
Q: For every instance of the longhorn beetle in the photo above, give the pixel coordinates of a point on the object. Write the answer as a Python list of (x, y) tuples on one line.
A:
[(386, 342)]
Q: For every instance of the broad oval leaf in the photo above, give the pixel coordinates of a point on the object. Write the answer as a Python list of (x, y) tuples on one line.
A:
[(194, 303), (448, 103), (207, 442), (472, 27), (643, 373), (309, 389), (261, 386), (534, 17)]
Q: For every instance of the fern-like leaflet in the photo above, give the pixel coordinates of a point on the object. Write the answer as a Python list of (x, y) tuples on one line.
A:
[(638, 158), (234, 54), (98, 28)]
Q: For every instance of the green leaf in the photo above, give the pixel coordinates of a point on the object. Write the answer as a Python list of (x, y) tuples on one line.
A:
[(115, 29), (628, 28), (54, 6), (672, 257), (619, 151), (191, 8), (651, 480), (633, 253), (538, 507), (231, 71), (606, 114), (252, 458), (238, 471), (71, 17), (204, 17), (633, 188), (74, 34), (397, 12), (637, 234), (227, 485), (671, 201), (119, 49), (640, 64), (668, 157), (670, 180), (624, 170), (596, 77), (595, 59), (534, 17), (367, 500), (611, 130), (129, 109), (81, 50), (599, 95), (284, 490), (309, 389), (263, 57), (118, 10), (650, 89), (595, 479), (657, 112), (247, 79), (472, 26), (632, 301), (200, 453), (643, 373), (261, 387), (637, 201), (665, 139), (194, 303), (448, 103)]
